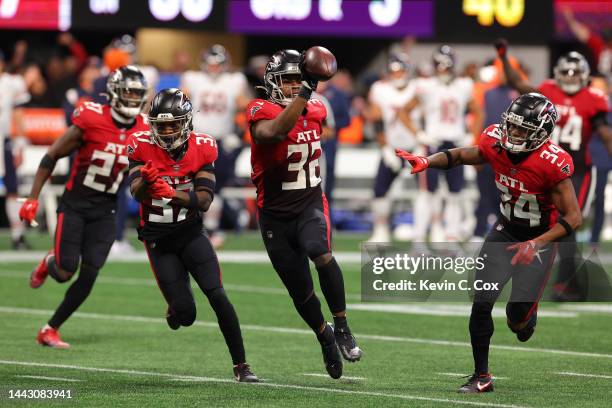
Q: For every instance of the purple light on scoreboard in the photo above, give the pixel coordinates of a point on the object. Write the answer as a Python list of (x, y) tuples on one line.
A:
[(365, 18)]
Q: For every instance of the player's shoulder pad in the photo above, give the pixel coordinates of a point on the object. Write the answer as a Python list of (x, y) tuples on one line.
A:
[(137, 142), (492, 131), (259, 109), (86, 112), (559, 163), (317, 108), (207, 145), (596, 92)]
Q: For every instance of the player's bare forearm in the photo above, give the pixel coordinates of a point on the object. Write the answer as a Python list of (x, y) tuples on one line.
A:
[(62, 147), (459, 156), (183, 198), (138, 188), (277, 129), (514, 79), (564, 198)]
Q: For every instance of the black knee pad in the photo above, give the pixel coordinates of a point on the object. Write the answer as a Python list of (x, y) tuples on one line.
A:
[(185, 312)]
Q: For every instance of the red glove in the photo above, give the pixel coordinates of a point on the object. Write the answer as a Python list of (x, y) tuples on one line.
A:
[(149, 173), (28, 210), (525, 253), (418, 163), (161, 189), (501, 45)]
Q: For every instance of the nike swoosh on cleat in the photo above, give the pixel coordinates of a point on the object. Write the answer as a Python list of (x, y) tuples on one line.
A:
[(483, 387)]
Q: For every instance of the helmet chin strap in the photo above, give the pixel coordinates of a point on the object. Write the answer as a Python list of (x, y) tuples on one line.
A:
[(120, 118)]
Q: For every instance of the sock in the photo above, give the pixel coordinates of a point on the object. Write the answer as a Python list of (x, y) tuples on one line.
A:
[(422, 215), (381, 209), (453, 217), (75, 295), (12, 213), (481, 330), (327, 336), (212, 218), (228, 323), (310, 311), (340, 322), (332, 285)]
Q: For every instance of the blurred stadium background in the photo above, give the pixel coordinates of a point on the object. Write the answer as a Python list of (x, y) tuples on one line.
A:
[(63, 50)]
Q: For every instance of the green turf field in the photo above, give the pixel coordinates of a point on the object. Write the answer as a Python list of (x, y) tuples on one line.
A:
[(123, 353)]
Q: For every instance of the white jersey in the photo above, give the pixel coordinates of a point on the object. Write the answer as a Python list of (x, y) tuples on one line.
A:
[(13, 92), (444, 107), (390, 100), (214, 100)]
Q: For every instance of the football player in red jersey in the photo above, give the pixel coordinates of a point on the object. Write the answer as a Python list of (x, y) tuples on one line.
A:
[(292, 209), (538, 208), (582, 111), (172, 176), (86, 213)]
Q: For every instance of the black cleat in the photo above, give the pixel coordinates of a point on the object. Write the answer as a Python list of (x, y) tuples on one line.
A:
[(243, 373), (331, 353), (477, 384), (347, 344), (172, 320)]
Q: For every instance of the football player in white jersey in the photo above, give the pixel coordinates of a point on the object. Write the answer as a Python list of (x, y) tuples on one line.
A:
[(444, 100), (217, 94), (386, 99), (14, 93)]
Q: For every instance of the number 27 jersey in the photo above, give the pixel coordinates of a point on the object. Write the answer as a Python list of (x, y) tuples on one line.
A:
[(525, 187), (287, 174), (101, 160)]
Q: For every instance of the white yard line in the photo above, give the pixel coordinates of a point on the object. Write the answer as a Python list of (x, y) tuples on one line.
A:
[(288, 330), (241, 257), (460, 375), (262, 384), (588, 307), (344, 377), (41, 377), (569, 373)]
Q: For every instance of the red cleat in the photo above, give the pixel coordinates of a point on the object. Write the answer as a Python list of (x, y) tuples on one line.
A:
[(50, 337), (39, 275)]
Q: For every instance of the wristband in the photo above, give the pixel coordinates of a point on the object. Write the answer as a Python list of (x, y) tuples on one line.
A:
[(449, 159), (568, 228)]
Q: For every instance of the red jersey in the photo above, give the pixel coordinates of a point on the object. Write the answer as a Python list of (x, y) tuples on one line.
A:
[(159, 217), (574, 124), (287, 174), (101, 160), (525, 186)]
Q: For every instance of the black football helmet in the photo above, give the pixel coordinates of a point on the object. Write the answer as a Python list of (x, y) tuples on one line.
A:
[(572, 72), (283, 65), (127, 90), (527, 123), (398, 70), (170, 118), (215, 60)]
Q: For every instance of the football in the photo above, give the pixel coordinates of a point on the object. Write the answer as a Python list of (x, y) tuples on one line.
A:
[(320, 63)]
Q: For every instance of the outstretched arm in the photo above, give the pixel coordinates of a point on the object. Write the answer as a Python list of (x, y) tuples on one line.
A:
[(443, 160), (62, 147), (580, 30), (513, 78)]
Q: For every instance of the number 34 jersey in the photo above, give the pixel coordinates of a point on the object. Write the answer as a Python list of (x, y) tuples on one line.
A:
[(101, 160), (159, 217), (525, 187), (287, 174)]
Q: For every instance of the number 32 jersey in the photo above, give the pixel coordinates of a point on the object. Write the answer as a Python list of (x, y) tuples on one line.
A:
[(101, 160), (287, 174), (525, 187), (159, 217)]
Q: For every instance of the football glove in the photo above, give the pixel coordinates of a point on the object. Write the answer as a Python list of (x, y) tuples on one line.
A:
[(418, 163), (307, 81), (28, 210), (149, 173), (525, 253), (161, 189), (501, 45)]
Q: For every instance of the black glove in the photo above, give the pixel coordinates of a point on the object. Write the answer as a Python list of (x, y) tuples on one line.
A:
[(501, 45), (307, 81)]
